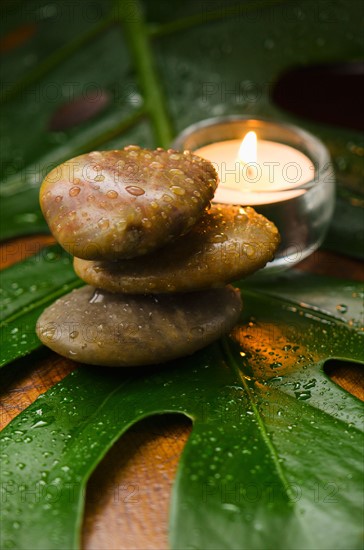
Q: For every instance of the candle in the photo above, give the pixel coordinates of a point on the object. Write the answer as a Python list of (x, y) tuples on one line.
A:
[(282, 171), (255, 171)]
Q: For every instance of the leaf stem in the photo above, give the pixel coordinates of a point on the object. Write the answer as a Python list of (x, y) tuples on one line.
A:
[(130, 14)]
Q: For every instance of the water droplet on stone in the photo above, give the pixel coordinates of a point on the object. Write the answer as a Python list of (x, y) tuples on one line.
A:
[(97, 297), (177, 190), (156, 165), (103, 223), (176, 172), (134, 190), (219, 238), (74, 191), (112, 194)]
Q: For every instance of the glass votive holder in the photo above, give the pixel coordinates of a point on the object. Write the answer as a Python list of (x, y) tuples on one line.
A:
[(301, 206)]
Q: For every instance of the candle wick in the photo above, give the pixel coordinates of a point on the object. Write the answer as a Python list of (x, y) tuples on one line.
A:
[(250, 172)]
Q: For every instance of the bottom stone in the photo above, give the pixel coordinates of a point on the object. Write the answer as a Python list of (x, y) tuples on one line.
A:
[(119, 330)]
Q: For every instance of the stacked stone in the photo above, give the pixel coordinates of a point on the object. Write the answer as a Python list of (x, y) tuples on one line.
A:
[(156, 256)]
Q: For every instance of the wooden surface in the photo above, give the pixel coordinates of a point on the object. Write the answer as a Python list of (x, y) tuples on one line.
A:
[(128, 495)]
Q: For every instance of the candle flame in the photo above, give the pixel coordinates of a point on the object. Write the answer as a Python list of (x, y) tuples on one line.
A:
[(248, 148)]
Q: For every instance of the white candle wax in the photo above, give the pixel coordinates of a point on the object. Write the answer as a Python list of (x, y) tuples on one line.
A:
[(278, 167)]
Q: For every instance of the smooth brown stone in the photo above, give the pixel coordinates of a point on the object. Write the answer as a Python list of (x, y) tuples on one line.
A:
[(227, 244), (117, 330), (121, 204)]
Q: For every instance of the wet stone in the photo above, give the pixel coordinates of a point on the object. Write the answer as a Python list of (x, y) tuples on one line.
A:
[(227, 244), (96, 327), (116, 191)]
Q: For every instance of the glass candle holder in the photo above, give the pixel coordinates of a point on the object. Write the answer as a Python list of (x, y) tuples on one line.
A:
[(300, 204)]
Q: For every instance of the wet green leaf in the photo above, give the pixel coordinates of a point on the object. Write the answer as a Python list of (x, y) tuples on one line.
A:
[(275, 457), (173, 65), (26, 289), (274, 460)]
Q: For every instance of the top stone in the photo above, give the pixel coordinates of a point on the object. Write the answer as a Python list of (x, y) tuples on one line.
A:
[(109, 205)]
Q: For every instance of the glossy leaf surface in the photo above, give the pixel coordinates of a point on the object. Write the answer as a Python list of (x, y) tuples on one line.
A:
[(275, 456), (26, 289)]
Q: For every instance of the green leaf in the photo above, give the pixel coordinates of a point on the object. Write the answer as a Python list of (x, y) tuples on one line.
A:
[(27, 288), (275, 457), (173, 65)]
